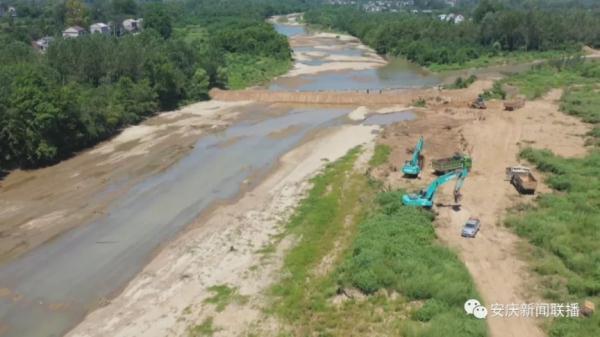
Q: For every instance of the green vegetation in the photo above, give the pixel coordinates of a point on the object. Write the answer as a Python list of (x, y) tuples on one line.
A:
[(205, 329), (583, 102), (563, 226), (503, 58), (388, 275), (461, 83), (55, 104), (223, 296), (318, 221), (246, 70), (497, 92), (395, 249), (541, 78), (497, 34), (419, 103), (380, 155)]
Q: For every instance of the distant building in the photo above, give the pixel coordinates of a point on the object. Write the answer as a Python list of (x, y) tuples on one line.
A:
[(73, 32), (7, 11), (43, 43), (100, 28), (454, 18), (133, 25)]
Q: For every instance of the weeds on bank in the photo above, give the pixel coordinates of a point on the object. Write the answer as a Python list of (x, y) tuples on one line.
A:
[(502, 59), (419, 103), (584, 102), (223, 295), (461, 83), (555, 74), (381, 155), (205, 329), (391, 277), (318, 222), (564, 227)]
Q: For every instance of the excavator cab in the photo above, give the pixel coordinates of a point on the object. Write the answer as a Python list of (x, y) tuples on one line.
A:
[(413, 167)]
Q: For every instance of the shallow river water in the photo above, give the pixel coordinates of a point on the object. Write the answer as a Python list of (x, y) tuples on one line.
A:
[(57, 284)]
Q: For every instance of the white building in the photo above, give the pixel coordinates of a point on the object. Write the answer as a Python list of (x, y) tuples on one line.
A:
[(43, 44), (73, 32), (100, 28), (132, 25)]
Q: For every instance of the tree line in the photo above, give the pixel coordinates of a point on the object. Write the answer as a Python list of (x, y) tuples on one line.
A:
[(84, 90), (491, 29)]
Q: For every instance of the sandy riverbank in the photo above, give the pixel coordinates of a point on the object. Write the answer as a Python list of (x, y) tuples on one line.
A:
[(167, 297), (40, 204)]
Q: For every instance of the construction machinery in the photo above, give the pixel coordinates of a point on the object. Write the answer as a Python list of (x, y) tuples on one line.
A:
[(514, 105), (444, 165), (479, 103), (522, 179), (413, 167), (424, 198)]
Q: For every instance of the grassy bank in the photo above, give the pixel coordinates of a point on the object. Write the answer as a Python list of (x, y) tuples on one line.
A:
[(244, 71), (508, 58), (365, 264), (558, 73), (563, 227)]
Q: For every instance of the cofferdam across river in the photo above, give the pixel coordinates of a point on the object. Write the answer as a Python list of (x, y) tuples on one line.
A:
[(49, 289)]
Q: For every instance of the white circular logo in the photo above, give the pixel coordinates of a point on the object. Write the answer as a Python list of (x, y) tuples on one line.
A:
[(470, 305), (480, 312)]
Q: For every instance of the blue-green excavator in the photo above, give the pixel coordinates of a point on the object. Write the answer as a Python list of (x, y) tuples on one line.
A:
[(425, 197), (412, 168)]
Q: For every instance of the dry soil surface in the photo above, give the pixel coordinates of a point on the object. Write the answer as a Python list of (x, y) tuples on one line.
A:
[(493, 137)]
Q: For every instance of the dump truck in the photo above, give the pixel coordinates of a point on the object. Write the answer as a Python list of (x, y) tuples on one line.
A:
[(522, 179), (514, 105), (444, 165)]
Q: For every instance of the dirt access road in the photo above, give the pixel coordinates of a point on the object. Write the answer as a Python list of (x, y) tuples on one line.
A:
[(493, 137)]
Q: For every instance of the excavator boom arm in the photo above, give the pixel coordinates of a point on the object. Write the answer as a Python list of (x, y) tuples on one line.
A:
[(458, 174)]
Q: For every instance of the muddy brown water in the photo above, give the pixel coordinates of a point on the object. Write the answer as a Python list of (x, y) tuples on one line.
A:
[(49, 290)]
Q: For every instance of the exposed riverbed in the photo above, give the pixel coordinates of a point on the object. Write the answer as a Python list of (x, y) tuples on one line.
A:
[(50, 289)]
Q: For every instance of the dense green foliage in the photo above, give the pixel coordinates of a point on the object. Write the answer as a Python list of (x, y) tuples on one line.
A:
[(554, 74), (396, 249), (378, 247), (84, 90), (495, 34)]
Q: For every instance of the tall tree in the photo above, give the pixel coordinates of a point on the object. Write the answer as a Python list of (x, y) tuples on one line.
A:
[(75, 13), (156, 17)]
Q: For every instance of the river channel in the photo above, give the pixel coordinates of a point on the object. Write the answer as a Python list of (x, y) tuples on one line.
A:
[(58, 283)]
